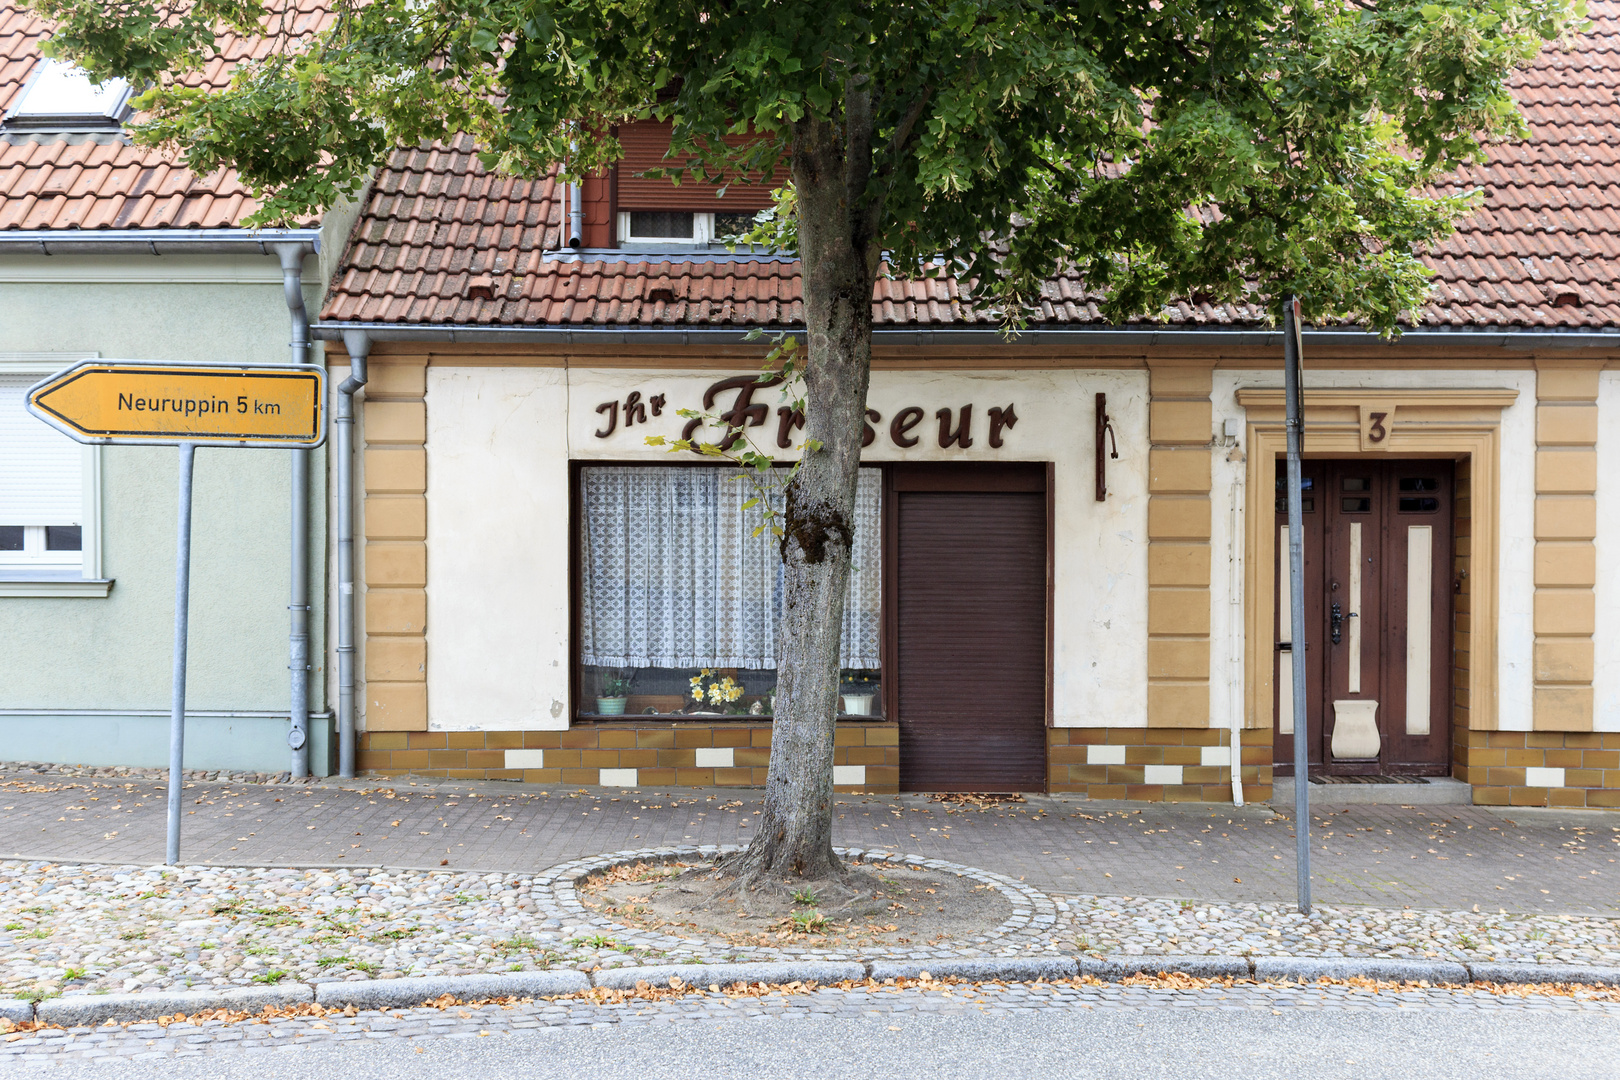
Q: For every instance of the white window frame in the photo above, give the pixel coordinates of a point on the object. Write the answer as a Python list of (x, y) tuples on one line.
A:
[(702, 231), (37, 573)]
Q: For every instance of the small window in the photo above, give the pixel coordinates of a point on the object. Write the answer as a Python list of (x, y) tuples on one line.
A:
[(1355, 505), (1419, 483), (1306, 483), (1307, 505), (1355, 483), (1417, 504), (60, 97), (667, 227), (48, 491)]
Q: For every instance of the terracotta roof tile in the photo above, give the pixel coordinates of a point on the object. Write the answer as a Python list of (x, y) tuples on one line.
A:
[(110, 184), (1549, 226)]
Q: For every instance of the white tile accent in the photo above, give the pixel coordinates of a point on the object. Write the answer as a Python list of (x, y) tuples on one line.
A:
[(715, 757), (849, 774), (618, 778), (525, 759), (1105, 755), (1536, 776), (1214, 755), (1161, 774)]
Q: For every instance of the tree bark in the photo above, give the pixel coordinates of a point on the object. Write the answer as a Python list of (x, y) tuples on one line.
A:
[(831, 167)]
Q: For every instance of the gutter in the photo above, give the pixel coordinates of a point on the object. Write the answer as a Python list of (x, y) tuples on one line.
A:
[(291, 253), (359, 347), (1110, 336), (153, 241)]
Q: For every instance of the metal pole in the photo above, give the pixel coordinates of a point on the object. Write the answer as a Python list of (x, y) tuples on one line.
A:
[(1296, 606), (182, 607)]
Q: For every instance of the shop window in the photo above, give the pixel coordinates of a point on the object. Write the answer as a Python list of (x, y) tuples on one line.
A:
[(681, 595)]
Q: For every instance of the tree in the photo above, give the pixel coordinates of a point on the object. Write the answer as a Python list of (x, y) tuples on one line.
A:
[(1242, 150)]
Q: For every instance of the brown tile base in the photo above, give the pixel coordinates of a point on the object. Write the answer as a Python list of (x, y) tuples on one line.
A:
[(629, 753), (1156, 764), (1539, 768)]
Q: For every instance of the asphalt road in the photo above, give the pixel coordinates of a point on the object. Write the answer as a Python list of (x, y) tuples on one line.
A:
[(1433, 1043)]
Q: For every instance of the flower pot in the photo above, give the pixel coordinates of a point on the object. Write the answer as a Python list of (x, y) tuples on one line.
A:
[(858, 704), (610, 706)]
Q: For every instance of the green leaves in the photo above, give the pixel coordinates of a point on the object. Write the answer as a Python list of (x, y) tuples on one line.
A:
[(1160, 148)]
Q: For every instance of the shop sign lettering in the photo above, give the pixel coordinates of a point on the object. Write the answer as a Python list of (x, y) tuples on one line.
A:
[(905, 429)]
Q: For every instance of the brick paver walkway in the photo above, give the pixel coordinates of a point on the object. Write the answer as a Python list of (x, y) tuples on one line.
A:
[(1388, 856)]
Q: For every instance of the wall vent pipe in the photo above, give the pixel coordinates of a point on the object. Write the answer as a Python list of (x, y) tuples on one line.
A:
[(292, 281), (576, 216), (358, 344)]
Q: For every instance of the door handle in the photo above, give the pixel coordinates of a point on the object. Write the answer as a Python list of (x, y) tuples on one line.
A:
[(1336, 621)]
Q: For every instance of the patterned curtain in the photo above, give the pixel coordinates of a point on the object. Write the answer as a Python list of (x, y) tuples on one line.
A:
[(674, 576)]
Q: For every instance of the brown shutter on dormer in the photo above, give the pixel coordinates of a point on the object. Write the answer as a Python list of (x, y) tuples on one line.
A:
[(645, 143)]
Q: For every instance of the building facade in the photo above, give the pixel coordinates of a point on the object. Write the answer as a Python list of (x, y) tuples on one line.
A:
[(1067, 544), (111, 251)]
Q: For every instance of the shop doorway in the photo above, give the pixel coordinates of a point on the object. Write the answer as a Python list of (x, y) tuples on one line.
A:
[(969, 603), (1378, 614)]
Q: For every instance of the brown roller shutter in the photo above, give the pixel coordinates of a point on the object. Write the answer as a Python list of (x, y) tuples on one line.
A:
[(970, 637), (645, 143)]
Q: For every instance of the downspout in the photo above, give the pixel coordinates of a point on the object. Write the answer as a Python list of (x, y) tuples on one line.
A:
[(358, 344), (1234, 586), (292, 283)]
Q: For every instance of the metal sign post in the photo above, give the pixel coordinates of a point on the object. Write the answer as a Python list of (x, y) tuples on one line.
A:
[(1296, 606), (145, 403), (182, 615)]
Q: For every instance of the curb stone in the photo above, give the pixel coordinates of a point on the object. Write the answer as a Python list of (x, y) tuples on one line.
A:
[(1311, 968), (821, 971), (1544, 973), (1004, 969), (1114, 969), (407, 993), (88, 1010)]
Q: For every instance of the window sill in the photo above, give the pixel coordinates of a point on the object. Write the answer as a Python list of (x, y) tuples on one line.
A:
[(49, 586)]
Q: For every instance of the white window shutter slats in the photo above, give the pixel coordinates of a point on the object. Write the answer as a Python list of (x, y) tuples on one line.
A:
[(41, 470)]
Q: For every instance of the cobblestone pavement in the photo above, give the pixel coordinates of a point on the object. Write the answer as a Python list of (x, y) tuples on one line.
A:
[(1450, 857), (155, 1043)]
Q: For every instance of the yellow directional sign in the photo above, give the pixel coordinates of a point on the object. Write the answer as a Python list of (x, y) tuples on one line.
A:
[(131, 401)]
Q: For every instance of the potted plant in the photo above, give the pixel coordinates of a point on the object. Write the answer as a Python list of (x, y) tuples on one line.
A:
[(719, 694), (613, 691), (859, 690)]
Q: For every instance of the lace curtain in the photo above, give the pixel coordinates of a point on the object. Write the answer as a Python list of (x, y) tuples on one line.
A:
[(674, 576)]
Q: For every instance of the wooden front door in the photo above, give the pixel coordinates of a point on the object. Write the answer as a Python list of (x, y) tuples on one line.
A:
[(1377, 618), (970, 585)]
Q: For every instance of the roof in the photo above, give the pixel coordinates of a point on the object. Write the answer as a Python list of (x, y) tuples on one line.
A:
[(441, 241), (50, 181)]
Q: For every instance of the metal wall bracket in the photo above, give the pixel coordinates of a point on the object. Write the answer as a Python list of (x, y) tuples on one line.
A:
[(1105, 430)]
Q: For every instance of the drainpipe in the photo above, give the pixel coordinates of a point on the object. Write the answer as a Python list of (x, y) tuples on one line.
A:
[(358, 344), (292, 270)]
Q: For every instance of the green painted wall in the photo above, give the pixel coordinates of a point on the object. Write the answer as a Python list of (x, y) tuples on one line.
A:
[(115, 653)]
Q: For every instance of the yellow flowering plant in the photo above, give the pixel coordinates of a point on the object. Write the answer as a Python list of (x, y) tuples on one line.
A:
[(717, 692)]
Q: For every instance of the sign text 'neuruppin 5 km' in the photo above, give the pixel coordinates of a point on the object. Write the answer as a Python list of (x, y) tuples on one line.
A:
[(131, 401)]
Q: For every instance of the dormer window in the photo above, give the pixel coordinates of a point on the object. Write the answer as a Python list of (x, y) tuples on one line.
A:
[(60, 97), (680, 226)]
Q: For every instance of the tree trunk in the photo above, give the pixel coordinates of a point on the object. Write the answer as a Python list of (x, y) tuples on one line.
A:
[(794, 838)]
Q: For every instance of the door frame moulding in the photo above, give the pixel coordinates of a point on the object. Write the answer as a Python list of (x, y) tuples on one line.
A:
[(1457, 423)]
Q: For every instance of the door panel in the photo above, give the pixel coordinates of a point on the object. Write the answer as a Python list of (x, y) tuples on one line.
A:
[(971, 639), (1378, 617)]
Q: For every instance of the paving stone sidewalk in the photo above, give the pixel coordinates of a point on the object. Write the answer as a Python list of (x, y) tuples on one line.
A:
[(1446, 857)]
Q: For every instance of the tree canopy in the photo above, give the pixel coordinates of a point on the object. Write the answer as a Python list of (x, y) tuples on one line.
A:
[(1235, 149)]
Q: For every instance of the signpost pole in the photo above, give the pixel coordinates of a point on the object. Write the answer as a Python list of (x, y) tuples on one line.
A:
[(182, 606), (1296, 606)]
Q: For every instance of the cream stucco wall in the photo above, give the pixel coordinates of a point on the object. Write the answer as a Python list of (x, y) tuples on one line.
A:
[(500, 439), (1516, 582)]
